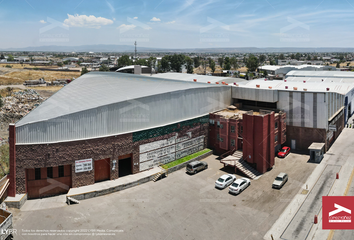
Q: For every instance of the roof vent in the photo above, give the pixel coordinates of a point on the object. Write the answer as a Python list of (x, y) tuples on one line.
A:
[(327, 89), (304, 81), (194, 80), (265, 79), (222, 82), (295, 88), (270, 87), (208, 82), (217, 82), (235, 84), (258, 86), (284, 80), (305, 89), (286, 87)]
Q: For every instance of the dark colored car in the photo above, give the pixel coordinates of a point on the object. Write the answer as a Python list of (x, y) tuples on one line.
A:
[(284, 152)]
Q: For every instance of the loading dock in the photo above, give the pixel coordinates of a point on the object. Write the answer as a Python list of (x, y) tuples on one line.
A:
[(48, 181), (125, 165)]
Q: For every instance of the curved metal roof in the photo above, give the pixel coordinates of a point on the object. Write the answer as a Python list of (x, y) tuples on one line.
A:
[(101, 104)]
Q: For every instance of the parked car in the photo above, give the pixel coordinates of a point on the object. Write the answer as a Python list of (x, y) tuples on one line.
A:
[(239, 185), (284, 152), (280, 180), (224, 181), (196, 166)]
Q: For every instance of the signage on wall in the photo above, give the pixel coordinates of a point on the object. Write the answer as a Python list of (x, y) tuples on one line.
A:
[(332, 128), (83, 165), (165, 151)]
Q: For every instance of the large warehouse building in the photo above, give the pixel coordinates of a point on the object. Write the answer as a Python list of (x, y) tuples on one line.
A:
[(106, 125)]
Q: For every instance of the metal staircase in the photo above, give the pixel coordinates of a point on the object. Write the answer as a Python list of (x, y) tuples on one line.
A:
[(159, 174), (236, 160)]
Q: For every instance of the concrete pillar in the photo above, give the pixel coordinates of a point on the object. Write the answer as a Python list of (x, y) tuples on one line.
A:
[(12, 175)]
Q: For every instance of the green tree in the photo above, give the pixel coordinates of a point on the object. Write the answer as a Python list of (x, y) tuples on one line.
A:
[(212, 65), (124, 61), (10, 58), (2, 56), (338, 65), (151, 62), (165, 64), (221, 61), (308, 57), (196, 61), (314, 57), (233, 62), (189, 64), (292, 56), (227, 64), (141, 62), (281, 57), (297, 56), (104, 68), (252, 63), (84, 70), (59, 64), (177, 60), (262, 58)]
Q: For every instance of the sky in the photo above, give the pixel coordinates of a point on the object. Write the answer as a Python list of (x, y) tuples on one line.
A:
[(178, 23)]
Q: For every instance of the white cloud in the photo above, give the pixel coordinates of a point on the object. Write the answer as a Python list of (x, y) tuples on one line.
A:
[(42, 21), (110, 7), (155, 19), (126, 27), (86, 21), (172, 22), (135, 17)]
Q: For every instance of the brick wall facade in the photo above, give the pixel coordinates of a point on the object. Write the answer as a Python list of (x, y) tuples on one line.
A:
[(66, 153), (256, 135)]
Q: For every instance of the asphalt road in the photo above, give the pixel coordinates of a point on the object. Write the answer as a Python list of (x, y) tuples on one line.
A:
[(180, 206)]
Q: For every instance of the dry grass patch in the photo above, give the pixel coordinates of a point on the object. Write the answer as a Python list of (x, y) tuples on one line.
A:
[(47, 88), (19, 77)]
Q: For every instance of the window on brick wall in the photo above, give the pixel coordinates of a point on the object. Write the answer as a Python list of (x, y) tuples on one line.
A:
[(241, 129), (61, 171), (221, 126), (276, 138), (49, 172), (217, 137), (37, 173), (211, 121), (233, 142), (232, 129), (276, 125), (221, 140)]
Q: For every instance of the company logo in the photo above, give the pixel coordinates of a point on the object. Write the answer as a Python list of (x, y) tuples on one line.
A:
[(339, 208), (337, 212), (6, 232)]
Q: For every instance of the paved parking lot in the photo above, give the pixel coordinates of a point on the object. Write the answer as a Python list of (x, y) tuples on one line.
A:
[(180, 206)]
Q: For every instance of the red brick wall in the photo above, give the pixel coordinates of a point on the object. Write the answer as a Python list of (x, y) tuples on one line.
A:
[(258, 140), (65, 153), (12, 152)]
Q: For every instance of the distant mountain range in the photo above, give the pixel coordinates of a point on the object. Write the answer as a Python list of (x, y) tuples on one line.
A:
[(127, 48)]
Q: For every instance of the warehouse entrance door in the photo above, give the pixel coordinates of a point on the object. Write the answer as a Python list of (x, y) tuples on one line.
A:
[(125, 165), (102, 170)]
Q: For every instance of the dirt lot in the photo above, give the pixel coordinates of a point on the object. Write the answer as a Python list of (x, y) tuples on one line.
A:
[(10, 76), (180, 206)]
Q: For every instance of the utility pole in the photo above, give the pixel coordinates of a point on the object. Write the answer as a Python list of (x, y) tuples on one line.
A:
[(135, 51)]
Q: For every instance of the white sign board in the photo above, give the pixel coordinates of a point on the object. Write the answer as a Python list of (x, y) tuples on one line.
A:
[(332, 128), (83, 165)]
